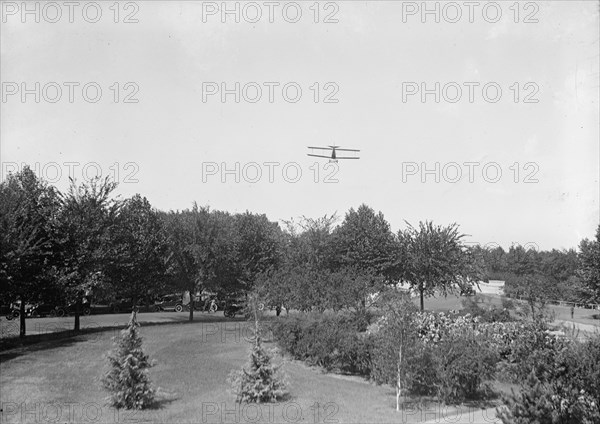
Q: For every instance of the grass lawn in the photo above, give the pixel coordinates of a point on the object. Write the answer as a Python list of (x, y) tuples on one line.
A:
[(441, 303), (58, 381)]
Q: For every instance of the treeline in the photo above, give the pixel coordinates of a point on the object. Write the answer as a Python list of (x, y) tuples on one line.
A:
[(543, 276), (60, 247)]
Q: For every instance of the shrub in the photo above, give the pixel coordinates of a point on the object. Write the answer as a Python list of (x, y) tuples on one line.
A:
[(451, 356), (486, 314), (127, 379), (569, 392), (417, 371), (327, 340), (465, 363), (530, 348)]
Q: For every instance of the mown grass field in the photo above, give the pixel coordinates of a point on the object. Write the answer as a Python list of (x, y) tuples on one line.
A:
[(59, 381)]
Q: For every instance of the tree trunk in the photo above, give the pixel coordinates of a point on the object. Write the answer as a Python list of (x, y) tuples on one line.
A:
[(22, 320), (421, 292), (192, 303), (77, 313), (399, 377)]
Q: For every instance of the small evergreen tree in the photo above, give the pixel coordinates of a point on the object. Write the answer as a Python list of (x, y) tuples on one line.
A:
[(260, 381), (127, 379)]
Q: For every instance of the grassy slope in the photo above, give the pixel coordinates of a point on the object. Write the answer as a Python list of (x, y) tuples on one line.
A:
[(192, 366)]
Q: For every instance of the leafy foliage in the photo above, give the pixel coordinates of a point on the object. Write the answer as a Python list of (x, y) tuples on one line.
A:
[(87, 214), (436, 260), (565, 390), (589, 266), (466, 362), (490, 313), (327, 340), (28, 239), (137, 244), (364, 240)]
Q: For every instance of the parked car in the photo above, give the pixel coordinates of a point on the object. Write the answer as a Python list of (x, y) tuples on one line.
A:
[(123, 306), (15, 310), (170, 302), (45, 309), (9, 311), (98, 309), (235, 304), (85, 308)]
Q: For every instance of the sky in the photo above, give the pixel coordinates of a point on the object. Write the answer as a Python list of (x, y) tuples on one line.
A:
[(487, 117)]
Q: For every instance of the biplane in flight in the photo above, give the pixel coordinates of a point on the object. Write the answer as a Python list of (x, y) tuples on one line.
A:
[(333, 157)]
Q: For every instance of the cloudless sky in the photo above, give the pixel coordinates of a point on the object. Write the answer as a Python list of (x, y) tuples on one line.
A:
[(177, 139)]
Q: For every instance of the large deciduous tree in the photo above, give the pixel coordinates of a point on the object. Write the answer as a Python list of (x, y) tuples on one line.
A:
[(300, 278), (365, 241), (435, 259), (88, 213), (28, 209), (201, 250), (136, 264), (258, 244)]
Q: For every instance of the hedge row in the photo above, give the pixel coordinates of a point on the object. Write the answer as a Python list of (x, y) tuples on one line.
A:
[(452, 357)]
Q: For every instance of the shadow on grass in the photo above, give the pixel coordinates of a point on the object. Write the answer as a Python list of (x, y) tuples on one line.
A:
[(13, 347), (162, 401)]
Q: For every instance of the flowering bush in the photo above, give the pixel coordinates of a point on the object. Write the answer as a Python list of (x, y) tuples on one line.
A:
[(448, 355), (567, 390), (432, 327)]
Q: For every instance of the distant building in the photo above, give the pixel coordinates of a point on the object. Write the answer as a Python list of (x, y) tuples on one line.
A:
[(492, 287)]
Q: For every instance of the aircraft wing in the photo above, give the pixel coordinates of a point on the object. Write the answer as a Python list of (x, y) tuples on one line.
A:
[(320, 148), (319, 156), (347, 150)]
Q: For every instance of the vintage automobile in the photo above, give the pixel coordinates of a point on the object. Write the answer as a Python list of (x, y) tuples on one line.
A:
[(15, 310), (235, 305), (170, 302), (46, 310), (124, 305)]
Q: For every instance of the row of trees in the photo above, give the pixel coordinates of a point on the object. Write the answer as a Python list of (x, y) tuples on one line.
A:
[(328, 267), (543, 276), (60, 247)]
